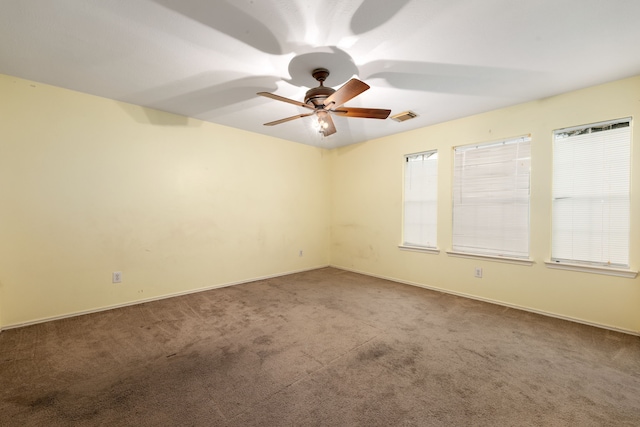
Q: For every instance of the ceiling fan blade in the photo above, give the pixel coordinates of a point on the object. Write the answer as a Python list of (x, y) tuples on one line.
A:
[(331, 127), (297, 116), (351, 89), (283, 99), (367, 113)]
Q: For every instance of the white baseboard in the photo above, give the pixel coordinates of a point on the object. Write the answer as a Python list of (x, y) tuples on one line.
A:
[(157, 298), (491, 301), (255, 279)]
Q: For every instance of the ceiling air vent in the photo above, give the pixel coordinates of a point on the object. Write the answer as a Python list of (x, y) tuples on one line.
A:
[(407, 115)]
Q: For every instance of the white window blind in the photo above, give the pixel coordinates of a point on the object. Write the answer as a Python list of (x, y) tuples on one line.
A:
[(421, 199), (491, 198), (591, 172)]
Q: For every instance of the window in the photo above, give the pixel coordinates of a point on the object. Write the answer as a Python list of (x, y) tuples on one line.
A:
[(491, 198), (420, 200), (591, 172)]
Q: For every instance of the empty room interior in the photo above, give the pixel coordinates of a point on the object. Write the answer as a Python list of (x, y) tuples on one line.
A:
[(438, 225)]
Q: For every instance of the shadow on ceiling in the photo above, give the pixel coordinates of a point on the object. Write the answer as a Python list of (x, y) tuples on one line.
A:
[(230, 20), (374, 13)]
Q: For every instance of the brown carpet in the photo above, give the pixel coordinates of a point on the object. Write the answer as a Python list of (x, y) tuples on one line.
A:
[(324, 347)]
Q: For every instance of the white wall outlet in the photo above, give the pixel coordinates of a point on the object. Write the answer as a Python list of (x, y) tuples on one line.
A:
[(478, 272), (300, 252), (116, 277)]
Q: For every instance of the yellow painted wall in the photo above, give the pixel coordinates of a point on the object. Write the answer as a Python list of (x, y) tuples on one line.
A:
[(367, 210), (89, 186)]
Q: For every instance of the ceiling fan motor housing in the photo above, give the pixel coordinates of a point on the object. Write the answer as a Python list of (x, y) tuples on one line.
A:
[(316, 96)]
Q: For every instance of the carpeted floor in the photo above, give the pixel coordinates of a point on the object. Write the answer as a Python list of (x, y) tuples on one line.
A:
[(324, 347)]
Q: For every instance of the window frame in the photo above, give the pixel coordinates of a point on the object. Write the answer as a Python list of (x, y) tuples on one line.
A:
[(556, 260), (433, 187), (493, 254)]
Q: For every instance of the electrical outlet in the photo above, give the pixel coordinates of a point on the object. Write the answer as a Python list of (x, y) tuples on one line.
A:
[(478, 272), (300, 252), (116, 277)]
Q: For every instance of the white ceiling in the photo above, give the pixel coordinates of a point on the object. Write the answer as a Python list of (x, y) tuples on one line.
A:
[(442, 59)]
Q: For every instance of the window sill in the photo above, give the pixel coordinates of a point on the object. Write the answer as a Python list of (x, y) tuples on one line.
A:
[(609, 271), (507, 260), (419, 249)]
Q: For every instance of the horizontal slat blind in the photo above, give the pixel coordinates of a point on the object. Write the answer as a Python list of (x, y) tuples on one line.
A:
[(421, 199), (491, 198), (591, 173)]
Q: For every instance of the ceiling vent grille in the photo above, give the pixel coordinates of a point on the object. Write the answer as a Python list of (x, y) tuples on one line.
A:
[(407, 115)]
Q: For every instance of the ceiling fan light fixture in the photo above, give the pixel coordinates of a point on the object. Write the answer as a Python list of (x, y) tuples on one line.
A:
[(320, 124), (404, 116), (322, 120)]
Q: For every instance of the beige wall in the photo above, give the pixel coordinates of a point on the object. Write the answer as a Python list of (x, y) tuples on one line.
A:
[(90, 186), (367, 211)]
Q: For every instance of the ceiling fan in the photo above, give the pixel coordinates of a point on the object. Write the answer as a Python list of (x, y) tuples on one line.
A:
[(325, 101)]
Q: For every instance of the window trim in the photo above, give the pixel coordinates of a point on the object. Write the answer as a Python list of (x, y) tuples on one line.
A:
[(485, 257), (589, 268), (423, 249)]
